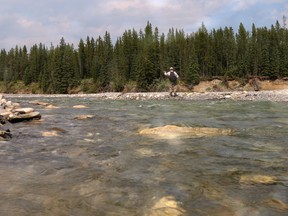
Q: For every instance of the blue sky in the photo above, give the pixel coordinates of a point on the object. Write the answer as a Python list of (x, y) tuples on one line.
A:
[(29, 22)]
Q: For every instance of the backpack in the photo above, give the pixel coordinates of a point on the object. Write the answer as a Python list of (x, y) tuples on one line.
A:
[(172, 77)]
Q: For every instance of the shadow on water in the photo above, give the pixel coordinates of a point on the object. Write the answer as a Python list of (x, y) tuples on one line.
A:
[(101, 166)]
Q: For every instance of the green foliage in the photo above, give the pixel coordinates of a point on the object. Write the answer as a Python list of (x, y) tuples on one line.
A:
[(193, 77), (136, 60)]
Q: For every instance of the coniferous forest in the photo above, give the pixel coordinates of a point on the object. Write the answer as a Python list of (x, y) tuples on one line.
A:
[(138, 58)]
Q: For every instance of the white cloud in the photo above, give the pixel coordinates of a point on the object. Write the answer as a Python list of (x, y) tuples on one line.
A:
[(239, 5), (28, 24), (47, 21)]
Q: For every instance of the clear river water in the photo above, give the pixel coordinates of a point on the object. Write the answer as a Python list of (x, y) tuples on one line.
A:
[(102, 166)]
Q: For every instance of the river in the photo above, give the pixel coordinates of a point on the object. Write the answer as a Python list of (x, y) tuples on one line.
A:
[(102, 166)]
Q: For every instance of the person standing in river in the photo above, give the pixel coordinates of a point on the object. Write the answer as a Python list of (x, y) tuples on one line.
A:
[(173, 78)]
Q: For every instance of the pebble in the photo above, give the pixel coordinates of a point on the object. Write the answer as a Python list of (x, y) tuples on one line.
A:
[(264, 95)]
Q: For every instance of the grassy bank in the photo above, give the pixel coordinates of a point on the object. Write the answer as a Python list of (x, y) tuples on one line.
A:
[(88, 86)]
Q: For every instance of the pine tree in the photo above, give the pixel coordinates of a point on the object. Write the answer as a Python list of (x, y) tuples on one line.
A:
[(24, 62), (61, 70), (31, 72), (130, 45), (253, 52), (119, 66), (202, 49), (283, 47), (82, 60), (229, 51), (3, 56), (264, 62), (11, 65), (274, 54), (193, 77), (242, 52)]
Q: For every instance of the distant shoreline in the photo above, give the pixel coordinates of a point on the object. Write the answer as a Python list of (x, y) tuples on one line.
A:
[(264, 95)]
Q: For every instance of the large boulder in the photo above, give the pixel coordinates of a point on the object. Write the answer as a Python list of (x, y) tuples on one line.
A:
[(173, 131), (14, 118), (23, 110), (11, 113)]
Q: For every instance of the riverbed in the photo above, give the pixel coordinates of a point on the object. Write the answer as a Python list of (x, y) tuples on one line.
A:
[(102, 166)]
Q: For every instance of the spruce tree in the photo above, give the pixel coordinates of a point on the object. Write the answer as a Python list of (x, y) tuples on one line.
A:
[(274, 54), (202, 49), (24, 62), (229, 52), (264, 61), (193, 77), (82, 60), (3, 56), (242, 52), (59, 76), (253, 52)]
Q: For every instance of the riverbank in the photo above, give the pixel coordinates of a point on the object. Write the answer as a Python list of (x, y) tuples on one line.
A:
[(265, 95), (276, 90)]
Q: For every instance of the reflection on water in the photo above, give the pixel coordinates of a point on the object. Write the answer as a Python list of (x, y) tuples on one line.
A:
[(101, 166)]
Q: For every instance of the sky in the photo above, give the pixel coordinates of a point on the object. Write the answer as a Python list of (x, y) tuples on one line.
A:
[(29, 22)]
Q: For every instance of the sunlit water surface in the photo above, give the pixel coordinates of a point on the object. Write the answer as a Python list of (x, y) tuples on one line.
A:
[(101, 166)]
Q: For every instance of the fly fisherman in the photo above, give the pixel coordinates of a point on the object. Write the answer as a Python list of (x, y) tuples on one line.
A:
[(173, 77)]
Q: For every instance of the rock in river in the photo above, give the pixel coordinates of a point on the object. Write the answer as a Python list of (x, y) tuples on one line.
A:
[(257, 179), (173, 131), (166, 206), (14, 118)]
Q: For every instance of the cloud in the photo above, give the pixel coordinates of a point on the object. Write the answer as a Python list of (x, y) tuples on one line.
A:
[(29, 22), (240, 5)]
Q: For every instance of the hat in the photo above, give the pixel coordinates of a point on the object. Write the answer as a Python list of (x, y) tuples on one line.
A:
[(171, 68)]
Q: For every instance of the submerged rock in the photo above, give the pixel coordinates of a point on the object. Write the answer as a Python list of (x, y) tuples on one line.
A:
[(50, 106), (166, 206), (83, 117), (55, 131), (46, 105), (5, 135), (257, 179), (50, 133), (173, 131), (79, 106), (278, 204), (37, 102)]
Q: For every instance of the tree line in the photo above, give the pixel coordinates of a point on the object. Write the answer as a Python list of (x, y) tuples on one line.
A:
[(140, 57)]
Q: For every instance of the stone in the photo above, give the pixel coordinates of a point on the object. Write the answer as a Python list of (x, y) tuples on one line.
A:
[(278, 204), (79, 106), (5, 134), (83, 117), (50, 106), (257, 179), (50, 133), (24, 117), (23, 110), (55, 131), (36, 102), (6, 114), (173, 131), (167, 206)]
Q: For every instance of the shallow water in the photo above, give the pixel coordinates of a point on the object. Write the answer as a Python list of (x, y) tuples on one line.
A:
[(101, 166)]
